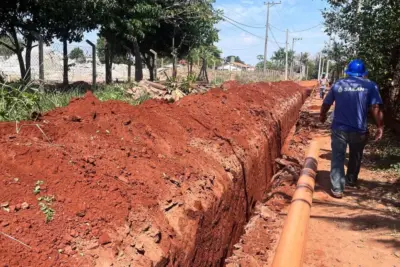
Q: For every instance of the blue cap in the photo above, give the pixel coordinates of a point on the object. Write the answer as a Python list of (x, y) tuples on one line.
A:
[(356, 68)]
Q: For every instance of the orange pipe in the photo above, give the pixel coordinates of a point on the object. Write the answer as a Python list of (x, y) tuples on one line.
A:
[(291, 245)]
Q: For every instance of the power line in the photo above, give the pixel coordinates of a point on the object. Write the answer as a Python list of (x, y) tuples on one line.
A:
[(273, 36), (244, 29), (276, 28), (304, 30), (245, 25), (308, 28), (237, 26)]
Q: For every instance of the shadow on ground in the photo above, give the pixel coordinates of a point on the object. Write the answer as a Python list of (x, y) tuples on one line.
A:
[(367, 191)]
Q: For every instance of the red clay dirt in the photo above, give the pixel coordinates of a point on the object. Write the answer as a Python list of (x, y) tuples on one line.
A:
[(359, 230), (155, 185)]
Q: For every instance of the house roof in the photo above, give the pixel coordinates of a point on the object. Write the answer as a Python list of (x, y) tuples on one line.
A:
[(241, 65)]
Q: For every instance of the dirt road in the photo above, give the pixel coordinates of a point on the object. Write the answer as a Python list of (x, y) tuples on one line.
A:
[(362, 229)]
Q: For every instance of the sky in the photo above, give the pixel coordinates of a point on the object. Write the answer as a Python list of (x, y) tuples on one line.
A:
[(294, 15)]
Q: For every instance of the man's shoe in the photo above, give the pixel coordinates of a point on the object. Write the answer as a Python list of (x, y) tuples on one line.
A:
[(337, 194), (350, 184)]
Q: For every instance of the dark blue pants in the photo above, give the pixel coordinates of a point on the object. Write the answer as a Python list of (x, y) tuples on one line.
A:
[(322, 92), (356, 142)]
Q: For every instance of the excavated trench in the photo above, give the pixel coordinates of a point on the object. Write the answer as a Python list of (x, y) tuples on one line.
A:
[(155, 185)]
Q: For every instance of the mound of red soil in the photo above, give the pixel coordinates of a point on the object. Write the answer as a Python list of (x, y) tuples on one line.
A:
[(154, 185)]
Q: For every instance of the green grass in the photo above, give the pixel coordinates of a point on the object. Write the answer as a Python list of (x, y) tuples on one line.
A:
[(218, 81), (51, 100), (19, 101), (385, 155)]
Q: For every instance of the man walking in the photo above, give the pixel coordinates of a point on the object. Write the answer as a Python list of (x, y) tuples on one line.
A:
[(354, 97), (323, 83)]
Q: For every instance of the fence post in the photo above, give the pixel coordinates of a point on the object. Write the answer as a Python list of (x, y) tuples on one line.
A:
[(93, 63), (215, 72), (41, 59), (155, 63), (129, 71)]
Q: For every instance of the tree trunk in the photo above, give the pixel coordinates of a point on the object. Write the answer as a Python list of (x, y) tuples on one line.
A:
[(18, 51), (65, 61), (151, 71), (21, 64), (203, 76), (138, 62), (150, 63), (108, 61), (28, 73)]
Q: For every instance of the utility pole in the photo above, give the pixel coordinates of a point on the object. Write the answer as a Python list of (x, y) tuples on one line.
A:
[(327, 68), (268, 4), (292, 63), (303, 67), (307, 69), (287, 51), (327, 59), (320, 65)]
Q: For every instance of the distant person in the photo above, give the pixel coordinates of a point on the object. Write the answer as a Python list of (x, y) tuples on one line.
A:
[(323, 83), (354, 97)]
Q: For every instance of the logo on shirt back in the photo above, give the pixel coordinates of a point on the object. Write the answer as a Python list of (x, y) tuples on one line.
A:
[(350, 89)]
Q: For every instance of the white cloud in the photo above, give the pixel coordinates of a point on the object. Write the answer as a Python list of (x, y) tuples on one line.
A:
[(248, 39), (250, 12)]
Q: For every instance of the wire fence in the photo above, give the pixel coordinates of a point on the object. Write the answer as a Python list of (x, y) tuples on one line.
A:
[(80, 65), (218, 76), (82, 68)]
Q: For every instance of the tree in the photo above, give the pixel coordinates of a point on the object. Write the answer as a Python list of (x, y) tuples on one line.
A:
[(370, 33), (207, 54), (21, 20), (68, 20), (235, 59), (124, 23), (270, 65), (170, 27), (4, 50), (26, 20), (279, 57), (338, 52), (119, 57), (78, 55), (304, 58), (193, 26)]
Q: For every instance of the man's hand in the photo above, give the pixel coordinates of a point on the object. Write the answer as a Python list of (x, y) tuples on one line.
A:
[(379, 134), (323, 114), (323, 118), (377, 113)]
